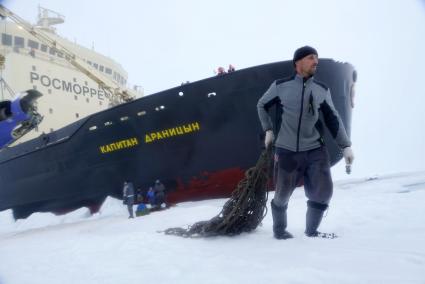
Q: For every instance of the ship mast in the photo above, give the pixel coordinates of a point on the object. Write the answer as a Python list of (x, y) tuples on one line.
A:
[(119, 94), (46, 21)]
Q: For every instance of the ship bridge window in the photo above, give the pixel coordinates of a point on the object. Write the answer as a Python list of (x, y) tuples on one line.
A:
[(89, 62), (6, 39), (101, 68), (52, 51), (43, 48), (60, 54), (95, 65), (33, 44), (19, 41), (108, 70)]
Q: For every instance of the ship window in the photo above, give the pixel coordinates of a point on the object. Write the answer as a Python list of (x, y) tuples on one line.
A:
[(95, 65), (89, 62), (50, 110), (19, 41), (75, 98), (77, 115), (101, 68), (108, 70), (52, 51), (108, 123), (6, 39), (124, 118), (94, 127), (100, 103), (140, 113), (60, 54), (43, 47), (34, 87), (51, 129), (87, 100), (34, 68), (49, 91), (33, 44)]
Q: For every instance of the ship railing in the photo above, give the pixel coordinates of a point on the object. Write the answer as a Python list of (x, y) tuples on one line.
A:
[(138, 90), (41, 55)]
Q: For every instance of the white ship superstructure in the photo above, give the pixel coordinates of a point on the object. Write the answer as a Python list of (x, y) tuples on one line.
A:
[(68, 94)]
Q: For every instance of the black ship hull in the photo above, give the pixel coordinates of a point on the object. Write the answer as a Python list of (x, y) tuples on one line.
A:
[(198, 138)]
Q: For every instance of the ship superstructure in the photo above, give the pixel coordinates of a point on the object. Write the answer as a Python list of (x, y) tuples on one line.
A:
[(68, 93)]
